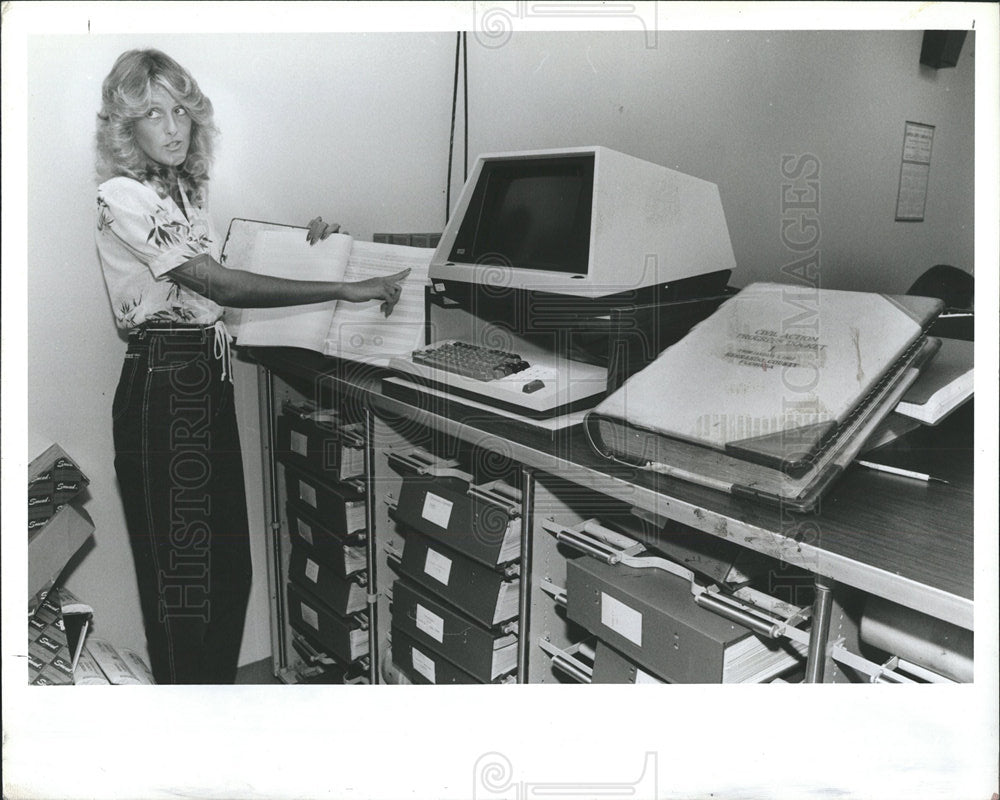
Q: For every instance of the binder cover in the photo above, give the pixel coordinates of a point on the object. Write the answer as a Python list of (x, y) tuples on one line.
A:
[(339, 594), (485, 654), (771, 375), (650, 617), (639, 333), (441, 509), (479, 592), (623, 441)]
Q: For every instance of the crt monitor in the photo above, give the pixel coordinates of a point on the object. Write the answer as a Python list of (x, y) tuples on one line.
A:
[(588, 222)]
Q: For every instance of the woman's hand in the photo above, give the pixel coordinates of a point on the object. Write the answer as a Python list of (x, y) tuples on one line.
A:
[(319, 230), (386, 289)]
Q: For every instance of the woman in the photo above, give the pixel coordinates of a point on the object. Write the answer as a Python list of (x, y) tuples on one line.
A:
[(177, 451)]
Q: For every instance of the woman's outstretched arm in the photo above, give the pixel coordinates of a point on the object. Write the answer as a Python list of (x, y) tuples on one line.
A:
[(240, 289)]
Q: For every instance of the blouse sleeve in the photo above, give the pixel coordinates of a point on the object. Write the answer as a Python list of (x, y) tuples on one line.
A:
[(150, 227)]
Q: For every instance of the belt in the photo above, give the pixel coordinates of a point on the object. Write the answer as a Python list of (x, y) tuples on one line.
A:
[(221, 345)]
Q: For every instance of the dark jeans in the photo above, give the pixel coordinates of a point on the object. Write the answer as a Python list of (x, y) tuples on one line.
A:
[(177, 455)]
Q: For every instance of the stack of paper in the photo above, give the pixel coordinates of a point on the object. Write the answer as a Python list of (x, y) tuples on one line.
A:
[(944, 384)]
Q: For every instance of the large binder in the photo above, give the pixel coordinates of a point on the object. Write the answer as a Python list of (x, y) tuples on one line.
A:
[(774, 371), (773, 394), (639, 333), (440, 501), (651, 617), (340, 506), (343, 638), (622, 440), (445, 510), (489, 597), (330, 449), (485, 654), (332, 551), (422, 665), (339, 594)]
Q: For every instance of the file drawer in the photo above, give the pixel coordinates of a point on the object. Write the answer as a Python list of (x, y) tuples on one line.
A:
[(330, 550), (484, 654), (340, 508), (323, 448), (339, 594), (339, 637), (422, 666), (483, 594)]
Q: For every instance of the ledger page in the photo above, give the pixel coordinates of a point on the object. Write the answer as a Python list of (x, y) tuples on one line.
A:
[(285, 253), (360, 332)]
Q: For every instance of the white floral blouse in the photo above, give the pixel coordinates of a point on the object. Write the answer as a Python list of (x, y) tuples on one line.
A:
[(140, 238)]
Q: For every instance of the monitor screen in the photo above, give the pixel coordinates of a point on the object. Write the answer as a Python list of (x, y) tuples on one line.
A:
[(530, 214)]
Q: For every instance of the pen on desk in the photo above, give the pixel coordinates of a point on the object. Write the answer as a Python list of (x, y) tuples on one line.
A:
[(906, 473)]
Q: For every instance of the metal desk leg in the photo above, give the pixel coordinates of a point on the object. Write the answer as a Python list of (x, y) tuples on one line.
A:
[(275, 577), (370, 547), (822, 606), (524, 601)]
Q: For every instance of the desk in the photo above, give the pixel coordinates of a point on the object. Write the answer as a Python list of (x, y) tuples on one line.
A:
[(901, 539)]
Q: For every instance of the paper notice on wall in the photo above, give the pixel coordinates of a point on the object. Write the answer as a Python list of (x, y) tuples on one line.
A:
[(914, 172)]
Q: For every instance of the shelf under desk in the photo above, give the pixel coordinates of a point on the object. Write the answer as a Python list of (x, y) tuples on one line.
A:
[(908, 541)]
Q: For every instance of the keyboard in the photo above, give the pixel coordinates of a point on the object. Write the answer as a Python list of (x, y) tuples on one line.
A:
[(535, 385), (470, 360)]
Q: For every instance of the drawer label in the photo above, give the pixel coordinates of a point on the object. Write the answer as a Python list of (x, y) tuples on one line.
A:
[(430, 623), (312, 570), (310, 616), (437, 510), (437, 566), (620, 618), (307, 494), (300, 443), (423, 664), (305, 531)]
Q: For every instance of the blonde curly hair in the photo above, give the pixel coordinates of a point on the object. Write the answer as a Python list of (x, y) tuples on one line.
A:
[(126, 97)]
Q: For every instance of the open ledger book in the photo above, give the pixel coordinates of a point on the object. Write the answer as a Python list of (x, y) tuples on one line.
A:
[(355, 331)]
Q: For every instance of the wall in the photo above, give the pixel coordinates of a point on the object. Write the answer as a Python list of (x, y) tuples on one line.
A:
[(356, 127), (728, 106)]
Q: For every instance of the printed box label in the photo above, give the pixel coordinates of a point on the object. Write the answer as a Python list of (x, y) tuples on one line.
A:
[(300, 443), (312, 570), (438, 566), (307, 494), (310, 616), (622, 619), (306, 531), (437, 510), (423, 665), (430, 623)]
